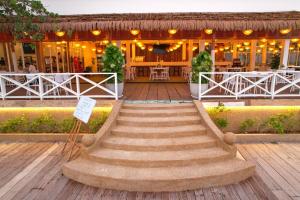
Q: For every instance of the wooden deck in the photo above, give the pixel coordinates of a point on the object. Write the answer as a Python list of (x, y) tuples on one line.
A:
[(33, 171), (157, 91)]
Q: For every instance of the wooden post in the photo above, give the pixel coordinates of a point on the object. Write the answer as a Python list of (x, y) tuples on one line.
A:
[(213, 55), (128, 61), (201, 45), (234, 53), (133, 52), (22, 55), (8, 56), (252, 55), (264, 55), (184, 51), (190, 52)]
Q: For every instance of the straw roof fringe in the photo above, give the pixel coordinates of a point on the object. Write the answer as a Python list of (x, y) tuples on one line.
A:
[(270, 21)]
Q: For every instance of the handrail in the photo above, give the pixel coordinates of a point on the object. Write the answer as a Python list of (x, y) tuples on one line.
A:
[(45, 86), (237, 85)]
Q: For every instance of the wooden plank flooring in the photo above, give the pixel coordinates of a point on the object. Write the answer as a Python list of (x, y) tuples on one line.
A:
[(157, 91), (33, 171)]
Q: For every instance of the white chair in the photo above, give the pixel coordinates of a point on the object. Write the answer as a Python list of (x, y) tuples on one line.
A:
[(49, 85), (33, 83), (185, 72), (130, 73), (165, 74), (153, 74)]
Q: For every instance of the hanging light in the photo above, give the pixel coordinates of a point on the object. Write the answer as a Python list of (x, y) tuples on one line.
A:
[(248, 32), (208, 31), (238, 45), (83, 46), (77, 45), (247, 48), (96, 32), (246, 43), (241, 49), (292, 48), (206, 43), (93, 49), (150, 48), (263, 40), (295, 40), (261, 45), (285, 31), (60, 33), (172, 31), (134, 31), (105, 41), (221, 49), (273, 43), (258, 51)]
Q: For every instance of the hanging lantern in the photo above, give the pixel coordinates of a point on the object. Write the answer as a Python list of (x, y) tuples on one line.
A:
[(60, 33), (134, 31), (172, 31), (208, 31), (285, 31), (96, 32), (248, 32), (295, 40)]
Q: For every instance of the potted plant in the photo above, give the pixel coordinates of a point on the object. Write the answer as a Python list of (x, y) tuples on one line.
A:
[(275, 62), (201, 63), (113, 62)]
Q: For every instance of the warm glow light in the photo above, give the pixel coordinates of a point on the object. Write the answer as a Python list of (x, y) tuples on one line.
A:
[(63, 42), (246, 43), (285, 31), (139, 44), (99, 50), (93, 49), (280, 46), (238, 45), (275, 51), (77, 45), (231, 50), (261, 45), (247, 48), (206, 43), (114, 43), (258, 51), (271, 49), (273, 43), (105, 41), (83, 46), (60, 33), (216, 50), (180, 42), (208, 31), (172, 31), (292, 48), (177, 46), (264, 40), (298, 44), (295, 40), (150, 48), (226, 48), (134, 32), (221, 49), (241, 49), (96, 32), (49, 46), (143, 47), (248, 32), (58, 43)]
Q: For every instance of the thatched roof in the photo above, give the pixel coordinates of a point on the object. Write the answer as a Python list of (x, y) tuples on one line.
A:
[(268, 21)]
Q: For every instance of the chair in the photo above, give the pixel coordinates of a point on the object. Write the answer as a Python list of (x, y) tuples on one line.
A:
[(130, 73), (32, 83), (68, 83), (153, 74), (185, 72), (165, 74), (50, 85)]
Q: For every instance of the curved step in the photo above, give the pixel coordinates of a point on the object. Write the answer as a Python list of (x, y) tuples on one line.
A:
[(158, 144), (159, 113), (159, 132), (158, 158), (158, 121), (158, 179), (158, 106)]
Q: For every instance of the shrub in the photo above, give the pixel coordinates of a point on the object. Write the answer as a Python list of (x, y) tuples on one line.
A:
[(246, 125), (45, 123), (201, 63), (16, 125), (66, 125), (221, 122), (279, 123)]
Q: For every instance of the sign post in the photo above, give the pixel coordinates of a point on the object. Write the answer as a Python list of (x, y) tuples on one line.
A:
[(81, 114)]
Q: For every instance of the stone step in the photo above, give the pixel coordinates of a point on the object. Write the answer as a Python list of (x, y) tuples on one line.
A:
[(158, 158), (159, 132), (159, 113), (158, 106), (158, 144), (158, 121), (158, 179)]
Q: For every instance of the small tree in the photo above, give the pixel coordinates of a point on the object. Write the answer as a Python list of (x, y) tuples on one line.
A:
[(201, 63), (22, 16), (113, 62)]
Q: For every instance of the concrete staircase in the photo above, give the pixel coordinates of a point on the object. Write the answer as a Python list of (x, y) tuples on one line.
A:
[(158, 147)]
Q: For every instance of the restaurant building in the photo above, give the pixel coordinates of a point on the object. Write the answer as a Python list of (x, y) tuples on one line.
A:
[(75, 43)]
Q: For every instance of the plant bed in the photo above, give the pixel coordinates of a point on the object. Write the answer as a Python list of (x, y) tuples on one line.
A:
[(35, 137), (50, 120), (267, 137), (257, 119)]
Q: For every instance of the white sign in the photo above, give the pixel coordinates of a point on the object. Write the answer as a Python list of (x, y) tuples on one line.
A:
[(84, 109)]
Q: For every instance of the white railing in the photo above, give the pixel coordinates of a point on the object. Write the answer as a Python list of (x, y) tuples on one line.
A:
[(58, 85), (249, 84)]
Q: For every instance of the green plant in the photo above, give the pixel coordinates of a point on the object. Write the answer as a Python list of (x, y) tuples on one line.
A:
[(201, 63), (221, 122), (215, 111), (15, 125), (66, 125), (279, 123), (246, 125), (275, 62), (45, 123), (113, 62)]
